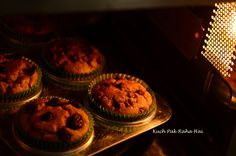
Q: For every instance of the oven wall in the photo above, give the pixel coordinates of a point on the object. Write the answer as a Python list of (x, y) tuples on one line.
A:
[(167, 57)]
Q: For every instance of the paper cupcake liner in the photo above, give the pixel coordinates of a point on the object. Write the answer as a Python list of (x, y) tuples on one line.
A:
[(99, 109), (119, 128), (24, 38), (13, 105), (126, 127), (66, 84), (53, 146), (15, 98)]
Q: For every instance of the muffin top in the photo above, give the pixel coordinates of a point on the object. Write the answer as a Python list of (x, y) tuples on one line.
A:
[(16, 74), (31, 25), (54, 120), (73, 56), (122, 96)]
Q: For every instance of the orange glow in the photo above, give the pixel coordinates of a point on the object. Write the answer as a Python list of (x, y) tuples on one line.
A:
[(234, 23), (219, 48), (197, 35)]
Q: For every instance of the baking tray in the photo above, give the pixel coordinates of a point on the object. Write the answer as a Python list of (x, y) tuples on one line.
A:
[(105, 134)]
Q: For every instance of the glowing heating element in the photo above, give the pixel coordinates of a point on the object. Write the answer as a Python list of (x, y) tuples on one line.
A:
[(219, 45)]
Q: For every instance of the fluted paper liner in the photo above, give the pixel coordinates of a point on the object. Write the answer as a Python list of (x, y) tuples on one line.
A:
[(52, 146), (102, 111)]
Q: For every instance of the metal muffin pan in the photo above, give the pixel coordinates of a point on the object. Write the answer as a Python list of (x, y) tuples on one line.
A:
[(105, 134)]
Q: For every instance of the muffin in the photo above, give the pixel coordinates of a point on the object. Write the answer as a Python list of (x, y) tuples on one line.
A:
[(20, 79), (28, 29), (72, 62), (53, 124), (121, 97)]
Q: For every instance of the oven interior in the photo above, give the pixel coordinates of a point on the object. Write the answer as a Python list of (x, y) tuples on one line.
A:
[(161, 46)]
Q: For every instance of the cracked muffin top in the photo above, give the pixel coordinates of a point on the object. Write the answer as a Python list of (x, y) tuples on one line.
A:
[(73, 56), (122, 96), (54, 120), (16, 74)]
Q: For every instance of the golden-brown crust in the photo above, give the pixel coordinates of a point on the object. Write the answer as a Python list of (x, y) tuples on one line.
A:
[(16, 74), (54, 121), (122, 96), (73, 56)]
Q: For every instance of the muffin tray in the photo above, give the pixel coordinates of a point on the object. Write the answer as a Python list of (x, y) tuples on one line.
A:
[(106, 134)]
